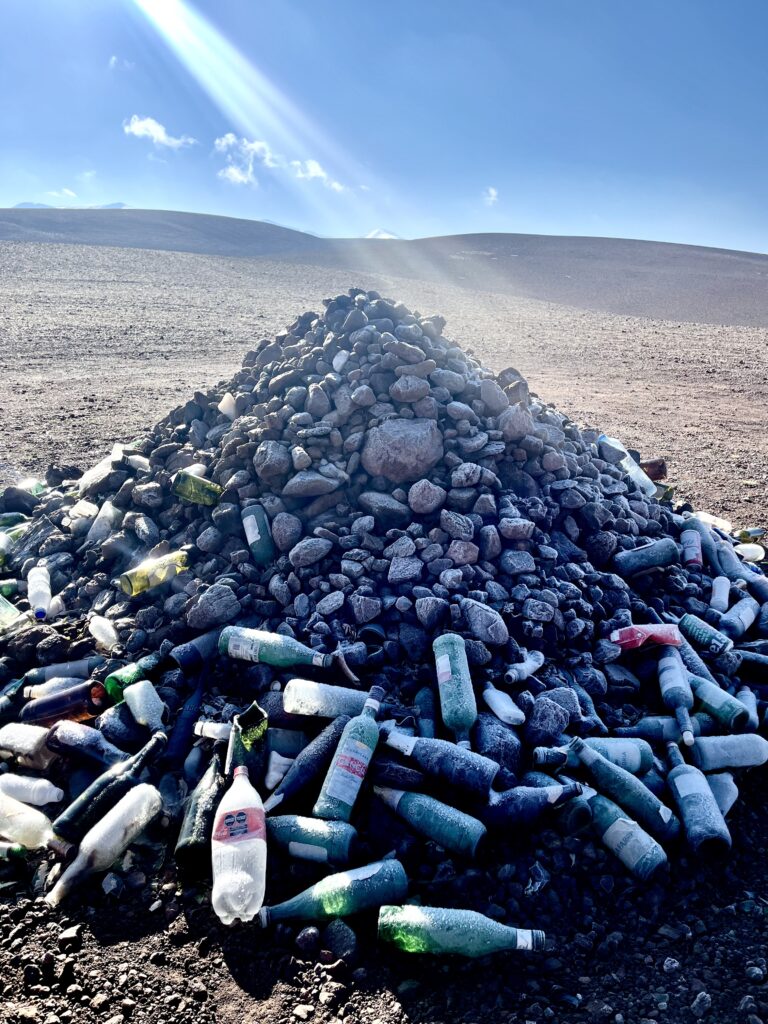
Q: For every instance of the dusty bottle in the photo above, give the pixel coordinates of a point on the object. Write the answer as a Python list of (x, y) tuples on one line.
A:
[(633, 754), (523, 805), (39, 591), (275, 649), (310, 765), (107, 520), (350, 762), (323, 700), (328, 842), (12, 851), (454, 685), (8, 539), (732, 567), (743, 750), (704, 825), (10, 617), (499, 743), (575, 814), (708, 546), (239, 852), (724, 790), (116, 681), (26, 743), (217, 731), (196, 489), (424, 701), (78, 704), (258, 534), (657, 554), (22, 824), (439, 930), (693, 662), (9, 519), (55, 685), (195, 654), (193, 847), (342, 894), (471, 773), (455, 831), (502, 705), (36, 792), (746, 696), (720, 704), (524, 669), (663, 728), (10, 588), (103, 632), (277, 767), (80, 669), (109, 839), (146, 704), (74, 739), (629, 793), (385, 771), (737, 621), (153, 572), (692, 553), (721, 592), (637, 851), (676, 690), (629, 638), (704, 636), (106, 791)]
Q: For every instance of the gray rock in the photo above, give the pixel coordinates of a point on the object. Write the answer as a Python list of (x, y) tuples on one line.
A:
[(515, 422), (405, 570), (431, 611), (213, 607), (484, 623), (402, 450), (147, 495), (409, 389), (271, 461), (425, 497), (545, 722), (318, 404), (330, 603), (538, 611), (309, 551), (308, 483), (456, 525), (463, 552), (515, 562), (210, 540), (386, 510), (286, 531), (364, 608), (492, 397)]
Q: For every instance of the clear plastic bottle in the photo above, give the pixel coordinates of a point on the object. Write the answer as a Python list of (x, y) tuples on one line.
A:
[(502, 705), (631, 468), (146, 705), (36, 792), (39, 591), (22, 824), (103, 632), (239, 852)]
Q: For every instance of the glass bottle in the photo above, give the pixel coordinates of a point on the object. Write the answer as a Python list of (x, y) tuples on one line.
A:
[(258, 534), (439, 930), (196, 489), (126, 675), (454, 684), (193, 848), (705, 827), (637, 851), (469, 772), (153, 572), (349, 764), (309, 765), (452, 829), (328, 842)]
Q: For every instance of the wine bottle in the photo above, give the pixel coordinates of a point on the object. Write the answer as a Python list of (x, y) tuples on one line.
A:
[(455, 831)]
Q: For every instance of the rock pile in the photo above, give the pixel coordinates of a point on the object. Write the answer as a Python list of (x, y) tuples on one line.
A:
[(408, 492)]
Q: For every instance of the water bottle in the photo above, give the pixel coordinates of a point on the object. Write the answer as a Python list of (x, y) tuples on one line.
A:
[(37, 792), (39, 591), (721, 592), (239, 852), (454, 684), (103, 632), (524, 669), (502, 705), (440, 930), (146, 705)]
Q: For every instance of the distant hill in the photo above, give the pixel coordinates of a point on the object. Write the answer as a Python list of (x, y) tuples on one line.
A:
[(33, 206), (659, 280)]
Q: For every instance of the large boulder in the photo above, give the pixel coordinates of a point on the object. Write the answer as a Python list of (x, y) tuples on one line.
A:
[(401, 450)]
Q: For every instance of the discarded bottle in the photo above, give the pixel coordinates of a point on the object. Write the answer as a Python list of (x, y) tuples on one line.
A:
[(310, 765), (13, 851), (258, 534), (454, 684), (9, 519), (227, 406), (502, 705), (455, 831), (217, 731), (350, 762), (26, 743), (657, 554), (633, 754), (269, 648), (328, 842), (750, 552), (11, 618), (708, 546), (705, 636), (693, 662), (499, 743), (523, 805), (746, 696), (239, 852), (629, 467), (705, 827), (22, 824), (126, 675), (106, 791), (469, 772), (732, 567), (193, 848), (74, 739), (692, 553), (36, 792), (79, 703), (637, 851), (575, 814), (385, 771), (424, 702), (153, 572), (342, 894), (629, 792), (277, 767), (724, 790), (629, 638), (196, 489), (146, 705), (737, 621), (718, 703), (103, 632), (440, 930), (721, 592), (55, 685), (39, 591), (107, 520), (742, 750), (81, 669), (676, 690), (10, 588), (322, 700), (109, 839), (526, 668), (195, 654), (8, 540)]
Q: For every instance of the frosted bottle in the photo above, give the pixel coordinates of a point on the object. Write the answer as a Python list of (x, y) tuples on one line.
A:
[(350, 762), (239, 852), (323, 700), (103, 632), (721, 705), (633, 754), (310, 765), (439, 930), (74, 739), (720, 596), (326, 842), (743, 750), (502, 705), (676, 690), (637, 851), (145, 704), (258, 534), (35, 792), (705, 827), (452, 829), (471, 773), (454, 684), (22, 824), (523, 805)]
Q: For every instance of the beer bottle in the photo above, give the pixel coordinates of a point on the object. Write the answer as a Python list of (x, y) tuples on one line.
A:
[(455, 831), (193, 847), (153, 572), (469, 772), (196, 489), (258, 534), (637, 851)]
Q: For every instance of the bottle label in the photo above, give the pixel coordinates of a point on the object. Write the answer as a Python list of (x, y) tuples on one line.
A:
[(524, 938), (690, 782), (349, 771), (318, 660), (444, 672), (235, 826), (627, 840), (245, 647), (664, 813), (399, 741), (252, 533), (306, 851)]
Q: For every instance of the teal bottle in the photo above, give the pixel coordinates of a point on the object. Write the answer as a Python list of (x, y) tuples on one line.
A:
[(638, 852), (327, 842), (258, 534), (424, 702), (454, 683), (350, 762), (705, 827), (456, 766), (524, 805), (455, 831), (676, 690), (439, 930), (632, 754), (721, 705)]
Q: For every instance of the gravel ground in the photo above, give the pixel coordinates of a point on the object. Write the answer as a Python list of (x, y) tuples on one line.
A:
[(97, 343)]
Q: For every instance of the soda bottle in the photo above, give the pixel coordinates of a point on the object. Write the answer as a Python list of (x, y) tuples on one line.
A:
[(196, 489), (74, 739), (109, 839), (328, 842), (455, 831), (637, 851), (439, 930), (309, 765), (676, 690), (258, 534), (350, 762), (153, 572), (705, 636), (469, 772), (523, 805), (342, 894), (454, 684), (39, 591), (126, 675), (37, 792), (239, 852), (705, 827), (502, 705)]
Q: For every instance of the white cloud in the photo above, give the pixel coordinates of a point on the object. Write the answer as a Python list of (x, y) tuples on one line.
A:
[(490, 196), (380, 233), (86, 175), (244, 156), (149, 128), (119, 63), (63, 193), (307, 170)]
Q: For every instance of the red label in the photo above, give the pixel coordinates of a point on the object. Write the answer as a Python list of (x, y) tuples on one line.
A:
[(630, 637), (352, 765), (233, 826)]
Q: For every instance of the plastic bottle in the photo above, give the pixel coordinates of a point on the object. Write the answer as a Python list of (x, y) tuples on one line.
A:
[(227, 406), (524, 805), (258, 534), (705, 827), (196, 489), (305, 697), (637, 851), (39, 591), (27, 744), (153, 572), (310, 765), (438, 930), (469, 772), (524, 669), (37, 792), (630, 468), (676, 690), (502, 705), (103, 632), (126, 675), (454, 683), (629, 638), (74, 739), (657, 554), (193, 847), (743, 750), (109, 839), (217, 731), (277, 766), (106, 791), (327, 842), (79, 703), (721, 592), (22, 824), (720, 704), (455, 831), (750, 552), (350, 762), (737, 621), (239, 852), (629, 793), (633, 754), (342, 894), (146, 704)]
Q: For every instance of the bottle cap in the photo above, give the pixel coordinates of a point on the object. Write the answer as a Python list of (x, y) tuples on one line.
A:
[(241, 770), (376, 693)]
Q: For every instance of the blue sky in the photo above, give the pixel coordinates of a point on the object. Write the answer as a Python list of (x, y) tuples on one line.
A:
[(599, 117)]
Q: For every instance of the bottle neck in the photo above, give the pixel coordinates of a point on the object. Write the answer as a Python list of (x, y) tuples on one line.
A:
[(371, 708), (149, 752)]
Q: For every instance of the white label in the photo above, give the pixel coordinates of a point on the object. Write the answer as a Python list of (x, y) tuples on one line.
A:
[(318, 659), (627, 840), (664, 813), (554, 793), (245, 647), (524, 938), (399, 741), (349, 771), (252, 534), (306, 851), (690, 782), (444, 673)]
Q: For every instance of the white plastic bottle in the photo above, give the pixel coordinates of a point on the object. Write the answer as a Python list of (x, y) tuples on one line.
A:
[(39, 591), (22, 824), (103, 632), (37, 792), (146, 704), (239, 852)]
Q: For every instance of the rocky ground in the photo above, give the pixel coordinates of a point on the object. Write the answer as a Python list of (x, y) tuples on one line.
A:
[(104, 342)]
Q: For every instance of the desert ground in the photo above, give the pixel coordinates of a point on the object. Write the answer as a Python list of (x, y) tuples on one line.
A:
[(98, 342)]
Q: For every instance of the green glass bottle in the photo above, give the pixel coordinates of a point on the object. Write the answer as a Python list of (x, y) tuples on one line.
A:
[(9, 588), (258, 534), (637, 851), (676, 690), (705, 827), (328, 842), (193, 848), (196, 489), (154, 572), (117, 681), (8, 539), (718, 703), (342, 894), (13, 851), (454, 682), (439, 930), (470, 773), (633, 754), (9, 615), (455, 831), (664, 728), (10, 519), (350, 762), (269, 648), (629, 792)]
